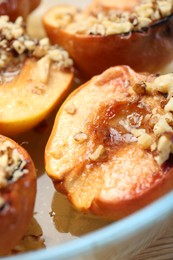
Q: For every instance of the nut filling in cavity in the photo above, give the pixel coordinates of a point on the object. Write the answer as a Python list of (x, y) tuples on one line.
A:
[(111, 22), (160, 142), (12, 165), (16, 45)]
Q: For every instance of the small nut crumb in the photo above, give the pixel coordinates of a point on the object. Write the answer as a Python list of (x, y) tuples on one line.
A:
[(80, 137), (140, 88), (38, 89), (153, 120), (70, 108), (98, 154), (52, 213)]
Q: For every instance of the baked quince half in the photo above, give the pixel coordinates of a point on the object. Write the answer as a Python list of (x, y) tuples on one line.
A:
[(110, 150), (15, 8), (109, 33), (17, 193), (34, 77)]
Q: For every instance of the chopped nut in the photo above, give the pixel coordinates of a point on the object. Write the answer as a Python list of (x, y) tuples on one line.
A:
[(30, 45), (153, 120), (162, 127), (143, 22), (19, 21), (138, 132), (98, 154), (113, 21), (39, 52), (55, 55), (145, 140), (144, 10), (168, 116), (70, 108), (164, 83), (80, 137), (169, 105), (44, 42), (154, 146), (97, 29), (2, 202), (18, 46), (3, 44), (165, 7), (164, 149), (42, 70), (155, 15), (117, 28), (17, 32)]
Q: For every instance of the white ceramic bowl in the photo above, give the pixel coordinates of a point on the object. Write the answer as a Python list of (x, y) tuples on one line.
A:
[(120, 240)]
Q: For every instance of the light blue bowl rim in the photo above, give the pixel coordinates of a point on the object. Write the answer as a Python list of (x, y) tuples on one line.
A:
[(157, 211)]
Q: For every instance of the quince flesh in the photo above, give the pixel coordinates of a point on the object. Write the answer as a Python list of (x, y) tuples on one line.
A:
[(26, 101)]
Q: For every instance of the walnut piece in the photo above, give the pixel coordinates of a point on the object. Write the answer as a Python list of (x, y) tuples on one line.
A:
[(80, 137), (99, 153)]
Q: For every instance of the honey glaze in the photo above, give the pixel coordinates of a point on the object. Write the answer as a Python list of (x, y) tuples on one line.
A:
[(113, 124), (8, 74)]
